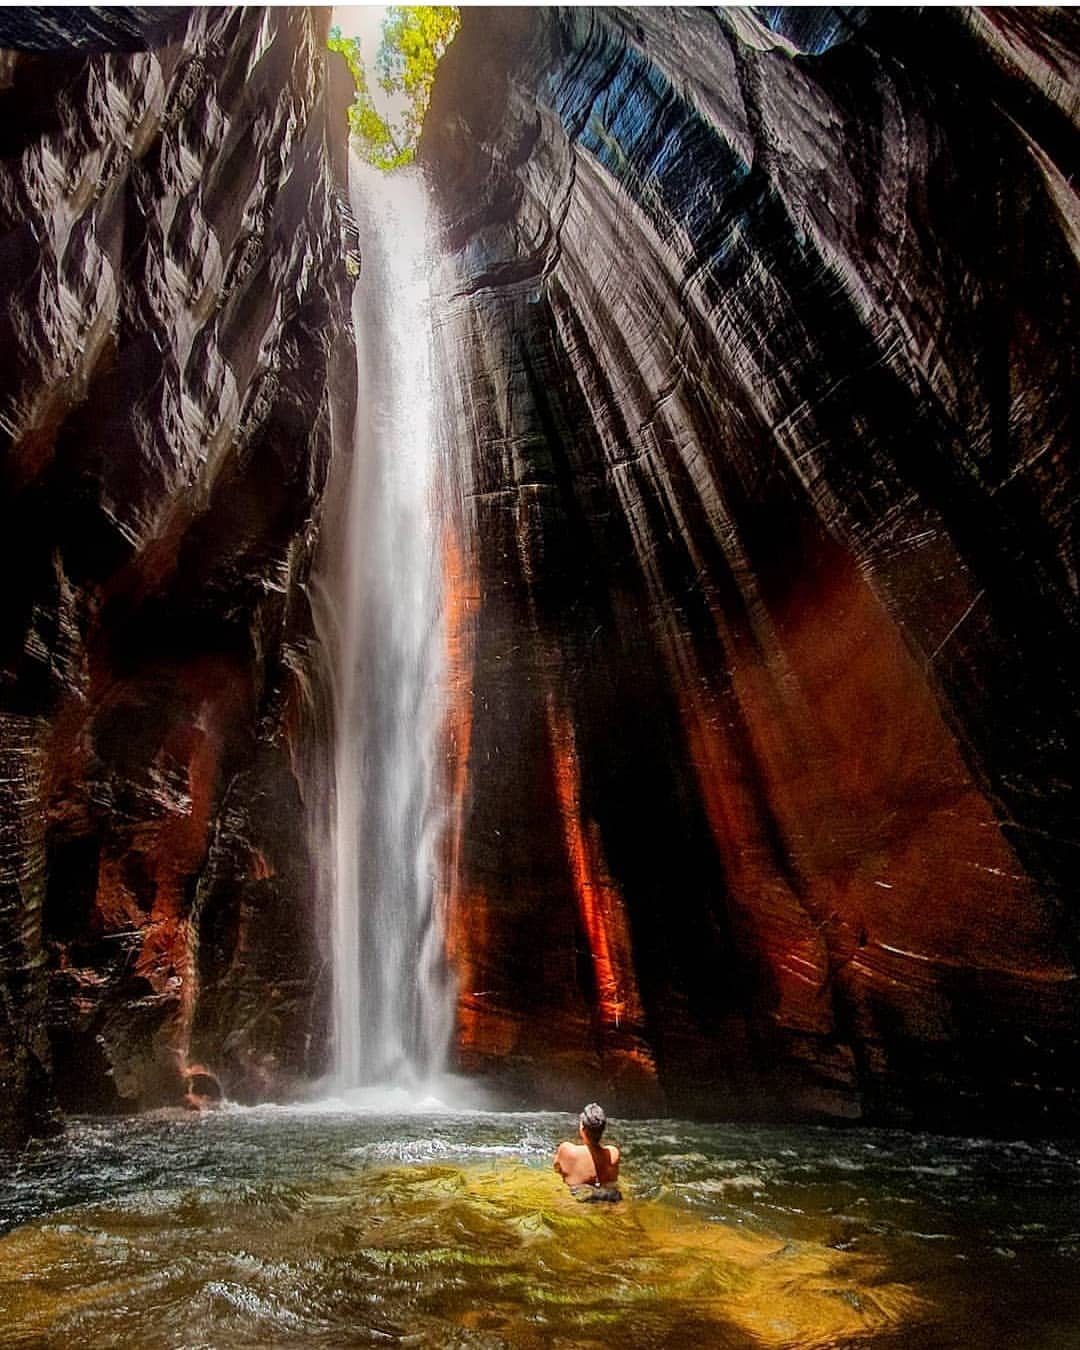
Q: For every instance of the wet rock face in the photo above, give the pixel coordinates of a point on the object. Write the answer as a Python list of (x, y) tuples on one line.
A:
[(764, 595), (175, 332)]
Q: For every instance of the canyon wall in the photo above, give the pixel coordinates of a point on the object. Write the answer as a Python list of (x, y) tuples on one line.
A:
[(178, 366), (761, 335)]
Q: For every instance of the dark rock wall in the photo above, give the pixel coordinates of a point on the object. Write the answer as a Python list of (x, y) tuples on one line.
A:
[(175, 335), (762, 338)]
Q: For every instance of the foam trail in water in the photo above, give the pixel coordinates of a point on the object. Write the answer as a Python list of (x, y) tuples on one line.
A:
[(380, 621)]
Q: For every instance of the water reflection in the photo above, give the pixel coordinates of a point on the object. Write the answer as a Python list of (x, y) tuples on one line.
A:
[(273, 1227)]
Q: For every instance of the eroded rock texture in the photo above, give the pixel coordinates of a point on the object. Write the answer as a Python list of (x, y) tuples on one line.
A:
[(174, 330), (765, 593)]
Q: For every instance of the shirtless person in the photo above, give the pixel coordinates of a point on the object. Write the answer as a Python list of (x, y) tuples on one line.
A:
[(590, 1168)]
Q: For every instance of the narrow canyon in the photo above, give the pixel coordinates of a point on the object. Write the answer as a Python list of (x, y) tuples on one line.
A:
[(754, 373)]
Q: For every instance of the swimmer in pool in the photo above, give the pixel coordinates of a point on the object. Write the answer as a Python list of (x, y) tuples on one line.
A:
[(590, 1168)]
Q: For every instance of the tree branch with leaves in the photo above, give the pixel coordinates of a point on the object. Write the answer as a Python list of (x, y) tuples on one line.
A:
[(414, 38)]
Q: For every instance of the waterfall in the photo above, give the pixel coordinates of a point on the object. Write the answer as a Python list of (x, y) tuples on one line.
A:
[(379, 616)]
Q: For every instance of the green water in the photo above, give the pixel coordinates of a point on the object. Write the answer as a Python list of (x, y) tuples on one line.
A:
[(285, 1227)]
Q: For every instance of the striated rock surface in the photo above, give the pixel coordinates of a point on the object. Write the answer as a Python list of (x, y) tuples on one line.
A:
[(175, 333), (763, 606)]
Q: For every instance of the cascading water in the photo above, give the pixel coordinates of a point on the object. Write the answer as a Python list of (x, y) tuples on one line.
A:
[(379, 617)]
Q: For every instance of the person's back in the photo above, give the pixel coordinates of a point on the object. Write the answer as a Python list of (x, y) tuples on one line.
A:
[(589, 1163)]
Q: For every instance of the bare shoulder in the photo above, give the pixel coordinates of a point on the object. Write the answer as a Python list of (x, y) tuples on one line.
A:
[(613, 1152)]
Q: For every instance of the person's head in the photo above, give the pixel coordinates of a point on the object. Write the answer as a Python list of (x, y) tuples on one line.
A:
[(592, 1121)]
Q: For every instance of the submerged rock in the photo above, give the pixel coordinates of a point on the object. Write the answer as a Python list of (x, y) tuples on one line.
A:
[(763, 335)]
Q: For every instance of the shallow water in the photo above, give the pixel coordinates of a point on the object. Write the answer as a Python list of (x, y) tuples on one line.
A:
[(280, 1227)]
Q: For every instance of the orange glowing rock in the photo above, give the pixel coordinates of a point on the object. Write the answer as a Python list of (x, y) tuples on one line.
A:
[(598, 897)]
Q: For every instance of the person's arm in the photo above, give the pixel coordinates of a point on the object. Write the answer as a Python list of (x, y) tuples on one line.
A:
[(560, 1155)]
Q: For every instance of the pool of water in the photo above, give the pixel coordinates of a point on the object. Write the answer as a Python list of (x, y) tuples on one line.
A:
[(283, 1227)]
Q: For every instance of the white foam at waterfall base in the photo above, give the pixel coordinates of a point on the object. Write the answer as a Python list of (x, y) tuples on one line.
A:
[(378, 602), (440, 1095)]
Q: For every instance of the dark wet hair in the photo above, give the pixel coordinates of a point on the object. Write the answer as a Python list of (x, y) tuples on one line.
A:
[(593, 1121)]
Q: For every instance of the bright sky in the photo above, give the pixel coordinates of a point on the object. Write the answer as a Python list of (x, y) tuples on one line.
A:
[(365, 22)]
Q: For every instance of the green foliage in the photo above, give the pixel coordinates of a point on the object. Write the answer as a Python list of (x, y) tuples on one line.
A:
[(414, 39), (374, 136)]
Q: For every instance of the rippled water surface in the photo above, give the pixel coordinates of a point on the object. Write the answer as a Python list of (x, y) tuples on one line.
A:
[(283, 1227)]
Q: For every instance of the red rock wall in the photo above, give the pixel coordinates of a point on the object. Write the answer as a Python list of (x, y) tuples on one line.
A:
[(177, 365), (764, 345)]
